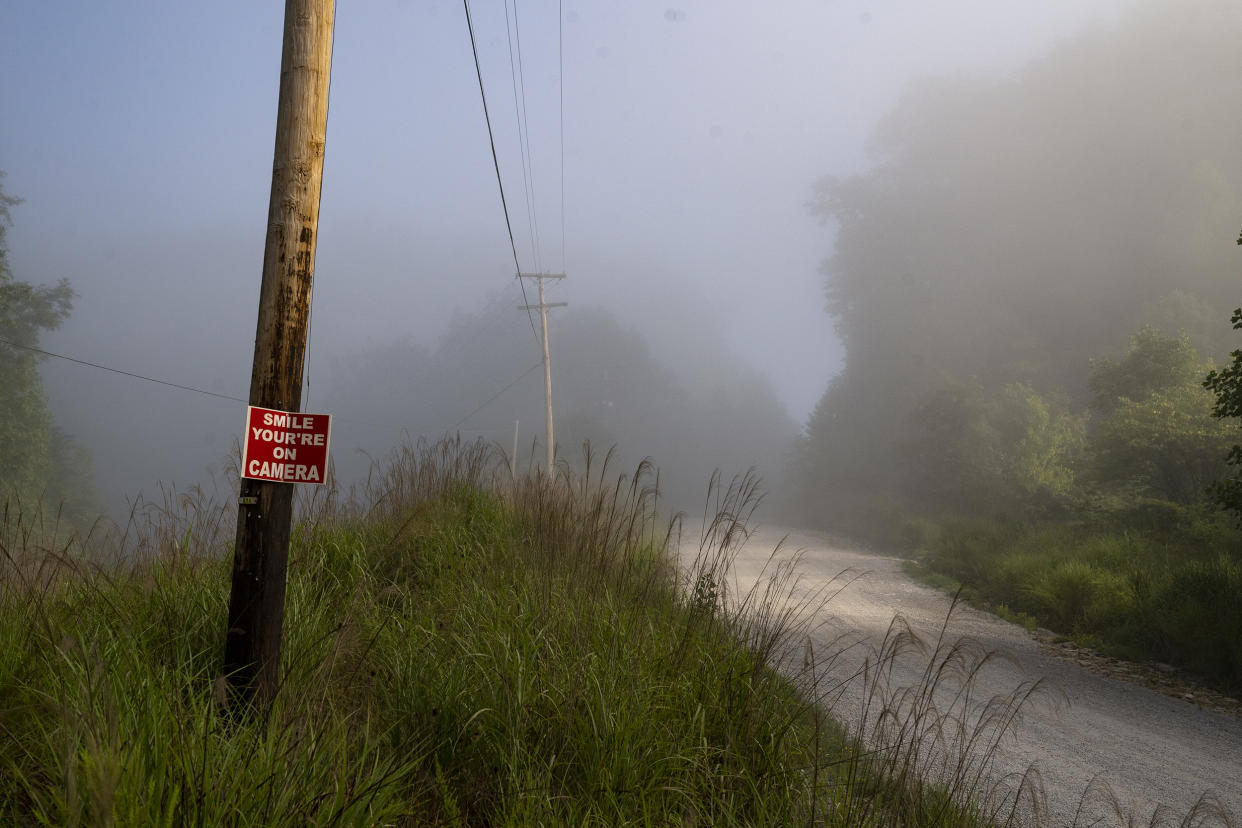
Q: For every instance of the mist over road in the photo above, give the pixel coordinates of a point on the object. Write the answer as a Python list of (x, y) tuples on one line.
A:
[(1150, 749)]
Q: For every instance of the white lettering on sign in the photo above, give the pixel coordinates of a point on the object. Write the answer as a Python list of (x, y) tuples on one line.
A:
[(283, 471), (288, 421), (285, 438)]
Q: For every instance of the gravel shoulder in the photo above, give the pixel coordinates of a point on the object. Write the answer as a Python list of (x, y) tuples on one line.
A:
[(1095, 722)]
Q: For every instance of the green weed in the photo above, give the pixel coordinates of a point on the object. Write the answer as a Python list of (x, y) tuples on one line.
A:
[(1153, 581)]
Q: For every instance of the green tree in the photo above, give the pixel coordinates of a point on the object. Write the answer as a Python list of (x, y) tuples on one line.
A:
[(1166, 445), (1041, 441), (994, 236), (1009, 451), (1153, 364), (1154, 430), (1226, 386), (29, 443)]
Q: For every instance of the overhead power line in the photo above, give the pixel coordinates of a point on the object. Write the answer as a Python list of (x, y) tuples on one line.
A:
[(495, 160), (119, 371), (560, 75), (456, 425), (518, 76), (493, 397)]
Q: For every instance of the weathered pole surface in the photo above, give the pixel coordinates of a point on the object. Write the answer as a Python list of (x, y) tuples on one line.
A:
[(265, 511)]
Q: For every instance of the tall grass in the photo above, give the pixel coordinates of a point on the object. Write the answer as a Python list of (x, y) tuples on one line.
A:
[(464, 649)]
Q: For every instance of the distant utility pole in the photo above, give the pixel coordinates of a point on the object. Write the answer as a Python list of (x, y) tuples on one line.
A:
[(513, 457), (265, 511), (547, 367)]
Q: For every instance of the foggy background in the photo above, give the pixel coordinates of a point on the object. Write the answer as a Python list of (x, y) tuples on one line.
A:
[(140, 136)]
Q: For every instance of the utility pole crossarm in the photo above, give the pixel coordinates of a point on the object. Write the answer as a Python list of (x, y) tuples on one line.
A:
[(546, 305)]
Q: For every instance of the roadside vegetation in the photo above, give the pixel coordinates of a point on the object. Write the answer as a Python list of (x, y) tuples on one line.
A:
[(1114, 527), (1170, 593), (1130, 545), (1029, 326), (463, 650)]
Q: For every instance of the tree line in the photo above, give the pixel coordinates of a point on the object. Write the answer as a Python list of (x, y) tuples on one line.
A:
[(1031, 284), (39, 462)]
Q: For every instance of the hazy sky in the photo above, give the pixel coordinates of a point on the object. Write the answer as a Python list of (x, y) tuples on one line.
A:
[(140, 136)]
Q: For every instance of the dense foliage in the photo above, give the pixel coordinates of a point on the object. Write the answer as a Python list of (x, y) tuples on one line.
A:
[(1153, 581), (1010, 238), (1030, 283), (1226, 384), (1154, 429)]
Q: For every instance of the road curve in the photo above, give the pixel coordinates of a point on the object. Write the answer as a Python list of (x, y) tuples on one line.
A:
[(1156, 754)]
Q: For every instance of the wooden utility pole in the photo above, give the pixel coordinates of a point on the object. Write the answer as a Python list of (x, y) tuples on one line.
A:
[(547, 366), (265, 511), (513, 457)]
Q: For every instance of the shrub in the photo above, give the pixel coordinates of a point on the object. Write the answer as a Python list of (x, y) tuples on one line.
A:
[(1199, 618)]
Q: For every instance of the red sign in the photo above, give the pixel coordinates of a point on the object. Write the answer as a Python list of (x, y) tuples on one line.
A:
[(286, 446)]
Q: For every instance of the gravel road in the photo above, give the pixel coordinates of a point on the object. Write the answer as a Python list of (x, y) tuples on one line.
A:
[(1157, 754)]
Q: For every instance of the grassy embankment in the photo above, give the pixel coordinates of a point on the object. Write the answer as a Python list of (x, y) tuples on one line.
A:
[(459, 652), (1152, 582)]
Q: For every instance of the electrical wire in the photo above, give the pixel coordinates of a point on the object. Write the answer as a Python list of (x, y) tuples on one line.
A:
[(560, 56), (181, 387), (518, 75), (518, 102), (131, 374), (493, 397), (496, 163), (123, 373)]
